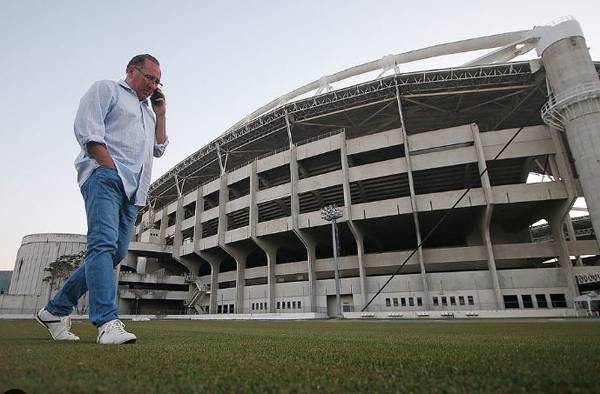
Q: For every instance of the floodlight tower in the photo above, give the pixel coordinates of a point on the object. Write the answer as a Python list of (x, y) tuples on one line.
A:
[(331, 213)]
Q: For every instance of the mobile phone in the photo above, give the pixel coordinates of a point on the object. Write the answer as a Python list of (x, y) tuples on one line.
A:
[(156, 96)]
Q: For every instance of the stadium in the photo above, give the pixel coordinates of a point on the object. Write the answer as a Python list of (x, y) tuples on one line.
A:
[(236, 229)]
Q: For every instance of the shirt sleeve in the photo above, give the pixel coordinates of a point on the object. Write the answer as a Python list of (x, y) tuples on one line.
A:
[(159, 149), (93, 107)]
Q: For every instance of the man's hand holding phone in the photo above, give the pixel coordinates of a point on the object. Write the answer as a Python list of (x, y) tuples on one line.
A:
[(159, 105)]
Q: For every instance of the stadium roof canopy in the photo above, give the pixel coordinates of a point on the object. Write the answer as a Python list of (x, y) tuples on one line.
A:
[(488, 91)]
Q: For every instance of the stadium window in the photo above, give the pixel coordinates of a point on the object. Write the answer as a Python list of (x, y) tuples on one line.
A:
[(388, 302), (403, 301), (411, 301), (231, 308), (395, 301), (558, 300), (419, 301), (541, 300), (293, 304), (253, 306), (511, 302), (461, 300), (444, 301), (219, 308), (470, 300), (299, 304), (436, 301), (266, 306), (283, 305), (278, 304), (289, 305), (261, 306), (452, 300), (527, 301)]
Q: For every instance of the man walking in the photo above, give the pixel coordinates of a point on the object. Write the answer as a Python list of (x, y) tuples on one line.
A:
[(119, 136)]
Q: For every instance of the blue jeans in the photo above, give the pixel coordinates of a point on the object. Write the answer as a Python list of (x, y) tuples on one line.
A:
[(110, 221)]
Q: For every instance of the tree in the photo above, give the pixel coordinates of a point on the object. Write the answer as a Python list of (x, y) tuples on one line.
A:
[(60, 269)]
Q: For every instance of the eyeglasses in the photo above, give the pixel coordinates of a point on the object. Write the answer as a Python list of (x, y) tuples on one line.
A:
[(150, 78)]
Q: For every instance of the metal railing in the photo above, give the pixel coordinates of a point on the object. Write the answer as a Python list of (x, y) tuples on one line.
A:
[(320, 136), (564, 106)]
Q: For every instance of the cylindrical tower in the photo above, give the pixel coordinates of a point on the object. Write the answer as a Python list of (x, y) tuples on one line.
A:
[(574, 105), (36, 253)]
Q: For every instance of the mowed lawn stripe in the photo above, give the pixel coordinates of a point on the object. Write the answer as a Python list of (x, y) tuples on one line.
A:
[(324, 356)]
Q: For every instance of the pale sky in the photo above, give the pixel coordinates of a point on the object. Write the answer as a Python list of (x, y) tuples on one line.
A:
[(220, 61)]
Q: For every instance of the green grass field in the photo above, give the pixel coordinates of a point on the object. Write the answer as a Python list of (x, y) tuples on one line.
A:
[(324, 356)]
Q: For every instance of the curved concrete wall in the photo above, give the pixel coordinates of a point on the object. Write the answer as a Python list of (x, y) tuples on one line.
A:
[(37, 251)]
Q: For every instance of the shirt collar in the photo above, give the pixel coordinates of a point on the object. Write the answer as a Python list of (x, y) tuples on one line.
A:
[(124, 84)]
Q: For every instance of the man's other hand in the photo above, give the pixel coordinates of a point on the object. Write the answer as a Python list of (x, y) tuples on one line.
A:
[(100, 154)]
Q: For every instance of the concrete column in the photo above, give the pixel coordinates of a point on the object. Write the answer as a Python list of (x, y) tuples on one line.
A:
[(271, 261), (560, 164), (240, 284), (307, 240), (240, 257), (576, 88), (151, 215), (572, 237), (178, 237), (214, 285), (413, 204), (561, 170), (566, 178), (553, 167), (253, 211), (223, 198), (198, 219), (356, 232), (236, 253), (141, 265), (556, 225), (164, 221), (487, 216), (271, 252), (268, 248)]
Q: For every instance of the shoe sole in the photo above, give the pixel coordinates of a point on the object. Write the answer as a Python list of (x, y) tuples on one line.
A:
[(128, 342)]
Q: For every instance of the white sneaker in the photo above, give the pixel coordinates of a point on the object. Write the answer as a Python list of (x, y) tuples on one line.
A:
[(58, 326), (113, 333)]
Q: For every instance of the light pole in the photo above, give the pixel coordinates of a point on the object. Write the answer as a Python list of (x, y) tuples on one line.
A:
[(331, 213)]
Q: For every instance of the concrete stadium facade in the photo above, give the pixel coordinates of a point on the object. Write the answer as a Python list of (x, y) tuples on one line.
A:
[(236, 227)]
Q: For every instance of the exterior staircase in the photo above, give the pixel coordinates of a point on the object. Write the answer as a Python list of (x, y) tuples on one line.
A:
[(197, 292)]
